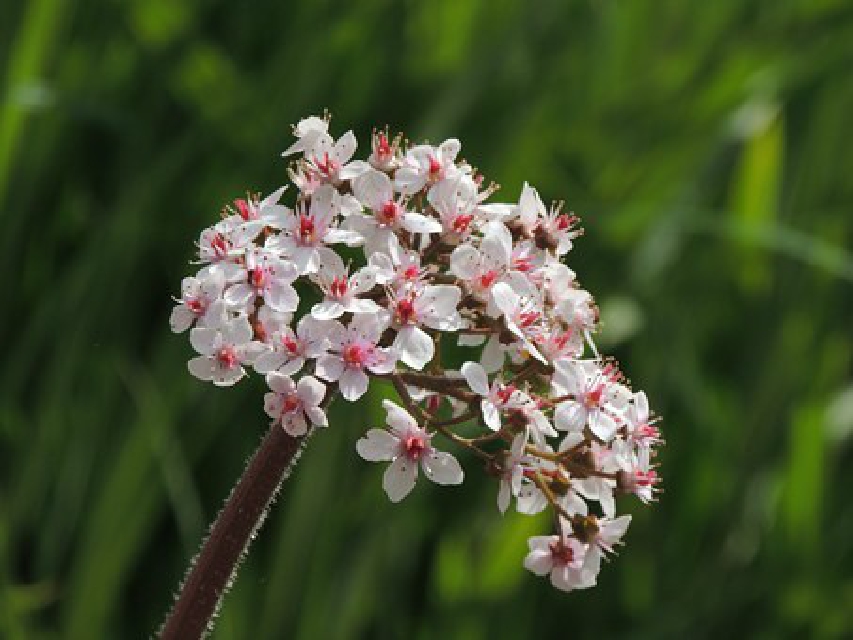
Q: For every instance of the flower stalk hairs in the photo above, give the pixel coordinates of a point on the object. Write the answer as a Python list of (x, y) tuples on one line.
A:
[(406, 255)]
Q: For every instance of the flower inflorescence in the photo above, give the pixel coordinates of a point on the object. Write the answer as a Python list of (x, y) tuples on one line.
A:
[(560, 428)]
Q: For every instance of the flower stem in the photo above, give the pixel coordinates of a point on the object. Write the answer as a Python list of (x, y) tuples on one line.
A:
[(213, 570)]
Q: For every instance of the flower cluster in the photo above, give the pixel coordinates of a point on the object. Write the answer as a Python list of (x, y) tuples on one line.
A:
[(377, 265)]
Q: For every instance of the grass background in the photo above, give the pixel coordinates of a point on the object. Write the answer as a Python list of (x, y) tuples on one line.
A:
[(707, 147)]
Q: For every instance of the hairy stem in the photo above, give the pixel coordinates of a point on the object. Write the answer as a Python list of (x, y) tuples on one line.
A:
[(215, 566)]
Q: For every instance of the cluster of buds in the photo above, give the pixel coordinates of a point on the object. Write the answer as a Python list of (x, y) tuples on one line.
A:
[(431, 262)]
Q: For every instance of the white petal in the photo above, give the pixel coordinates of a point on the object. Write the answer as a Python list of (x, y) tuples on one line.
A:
[(398, 418), (602, 425), (442, 468), (237, 331), (377, 445), (353, 384), (317, 416), (373, 189), (476, 377), (311, 391), (238, 295), (204, 340), (282, 297), (539, 561), (570, 416), (329, 367), (399, 478), (491, 415), (280, 383), (181, 319), (419, 223), (345, 147), (464, 262), (201, 367), (295, 424), (415, 346), (327, 310)]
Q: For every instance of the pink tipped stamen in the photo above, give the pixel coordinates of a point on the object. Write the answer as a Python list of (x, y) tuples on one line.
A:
[(405, 311), (257, 278), (243, 208), (306, 228), (461, 223), (290, 345), (220, 245), (435, 170), (197, 306), (415, 447), (291, 403), (562, 553), (354, 356), (339, 287), (227, 357), (388, 213), (327, 165)]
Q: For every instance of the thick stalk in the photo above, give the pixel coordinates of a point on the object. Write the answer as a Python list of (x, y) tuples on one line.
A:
[(221, 553)]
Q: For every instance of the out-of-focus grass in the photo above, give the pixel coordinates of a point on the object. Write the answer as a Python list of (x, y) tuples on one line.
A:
[(705, 145)]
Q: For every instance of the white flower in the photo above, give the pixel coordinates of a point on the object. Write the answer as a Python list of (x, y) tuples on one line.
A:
[(551, 227), (512, 471), (294, 405), (289, 350), (383, 155), (481, 269), (407, 446), (224, 350), (523, 315), (225, 244), (424, 164), (310, 228), (375, 191), (434, 306), (497, 397), (257, 214), (328, 158), (456, 208), (307, 132), (201, 299), (641, 425), (563, 558), (400, 269), (265, 276), (341, 290), (597, 399), (353, 350)]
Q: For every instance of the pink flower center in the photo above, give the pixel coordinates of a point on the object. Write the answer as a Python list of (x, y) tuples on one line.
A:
[(383, 148), (412, 272), (327, 165), (388, 213), (415, 447), (290, 345), (339, 287), (462, 222), (528, 318), (197, 306), (505, 393), (257, 278), (354, 355), (306, 228), (290, 403), (645, 478), (227, 357), (488, 279), (592, 398), (405, 311), (435, 170), (562, 553)]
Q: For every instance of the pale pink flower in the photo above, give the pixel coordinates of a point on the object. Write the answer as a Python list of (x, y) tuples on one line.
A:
[(201, 300), (434, 307), (224, 350), (424, 165), (341, 290), (563, 558), (407, 446), (289, 349), (295, 405), (596, 397), (354, 351), (496, 398), (265, 276)]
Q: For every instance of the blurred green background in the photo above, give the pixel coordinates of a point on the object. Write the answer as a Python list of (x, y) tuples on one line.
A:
[(707, 147)]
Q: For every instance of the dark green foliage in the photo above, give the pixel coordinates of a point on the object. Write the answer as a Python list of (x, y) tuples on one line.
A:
[(707, 146)]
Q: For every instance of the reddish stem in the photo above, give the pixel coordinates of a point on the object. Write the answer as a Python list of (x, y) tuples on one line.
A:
[(244, 512)]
